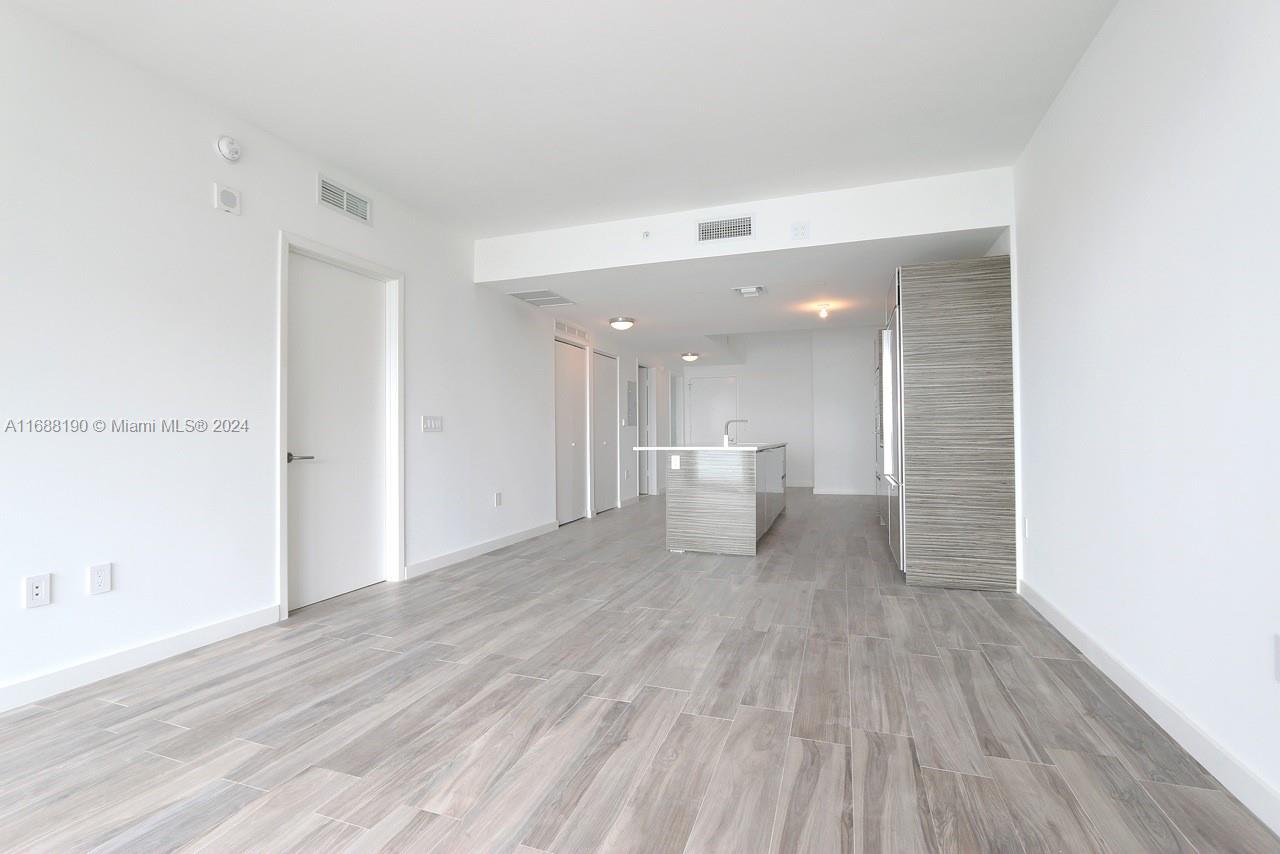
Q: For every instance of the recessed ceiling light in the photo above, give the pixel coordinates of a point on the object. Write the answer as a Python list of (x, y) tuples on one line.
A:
[(622, 324), (824, 310), (752, 291), (689, 357)]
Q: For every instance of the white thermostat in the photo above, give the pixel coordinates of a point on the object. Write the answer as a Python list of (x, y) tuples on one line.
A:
[(228, 148)]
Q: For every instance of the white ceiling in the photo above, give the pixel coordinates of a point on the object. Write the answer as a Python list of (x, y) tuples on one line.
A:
[(684, 306), (503, 116)]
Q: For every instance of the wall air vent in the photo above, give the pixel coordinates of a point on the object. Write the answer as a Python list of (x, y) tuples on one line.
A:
[(542, 299), (342, 200), (572, 331), (723, 229)]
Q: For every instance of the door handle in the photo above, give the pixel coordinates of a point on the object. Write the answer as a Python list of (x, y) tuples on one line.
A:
[(291, 456)]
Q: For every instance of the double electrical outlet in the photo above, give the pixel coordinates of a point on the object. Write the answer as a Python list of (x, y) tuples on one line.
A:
[(37, 590)]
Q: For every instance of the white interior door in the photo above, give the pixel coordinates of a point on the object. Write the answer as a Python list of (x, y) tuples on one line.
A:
[(604, 432), (711, 402), (571, 432), (337, 386), (642, 431)]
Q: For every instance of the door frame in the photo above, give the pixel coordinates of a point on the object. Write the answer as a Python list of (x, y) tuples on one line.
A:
[(393, 439)]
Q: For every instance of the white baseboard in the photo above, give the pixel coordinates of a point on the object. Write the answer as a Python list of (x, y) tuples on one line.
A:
[(858, 492), (48, 684), (1238, 778), (441, 561)]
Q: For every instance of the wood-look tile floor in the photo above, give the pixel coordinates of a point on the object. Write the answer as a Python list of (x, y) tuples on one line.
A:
[(589, 691)]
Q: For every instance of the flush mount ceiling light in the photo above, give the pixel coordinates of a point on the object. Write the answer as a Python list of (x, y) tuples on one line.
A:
[(689, 357), (824, 310), (622, 324), (752, 291)]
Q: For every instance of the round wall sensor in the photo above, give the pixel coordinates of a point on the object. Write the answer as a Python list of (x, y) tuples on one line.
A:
[(229, 148)]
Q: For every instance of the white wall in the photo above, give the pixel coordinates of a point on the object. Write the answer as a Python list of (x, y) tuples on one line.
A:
[(775, 394), (660, 378), (965, 200), (814, 391), (1148, 263), (125, 294), (844, 411), (1002, 245)]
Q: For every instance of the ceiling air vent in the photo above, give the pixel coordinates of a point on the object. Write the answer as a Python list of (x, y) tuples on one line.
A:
[(723, 229), (572, 331), (542, 299), (341, 199)]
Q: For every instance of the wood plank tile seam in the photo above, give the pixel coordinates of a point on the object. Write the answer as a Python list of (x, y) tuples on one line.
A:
[(587, 690)]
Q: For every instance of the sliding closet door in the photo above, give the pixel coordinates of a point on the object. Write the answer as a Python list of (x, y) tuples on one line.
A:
[(571, 432), (604, 432), (957, 432)]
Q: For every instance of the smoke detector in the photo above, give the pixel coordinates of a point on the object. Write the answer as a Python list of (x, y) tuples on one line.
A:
[(752, 291), (228, 147)]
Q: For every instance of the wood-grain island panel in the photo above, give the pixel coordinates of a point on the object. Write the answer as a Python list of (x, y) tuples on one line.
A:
[(722, 500)]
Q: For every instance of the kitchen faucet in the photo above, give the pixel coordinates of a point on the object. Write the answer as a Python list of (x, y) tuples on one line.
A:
[(727, 440)]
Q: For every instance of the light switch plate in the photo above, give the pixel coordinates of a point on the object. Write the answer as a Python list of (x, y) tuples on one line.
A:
[(675, 461), (36, 591), (433, 424)]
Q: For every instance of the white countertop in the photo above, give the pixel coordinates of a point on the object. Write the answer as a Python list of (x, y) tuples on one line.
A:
[(744, 447)]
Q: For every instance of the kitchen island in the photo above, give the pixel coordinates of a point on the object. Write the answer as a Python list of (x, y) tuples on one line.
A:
[(722, 499)]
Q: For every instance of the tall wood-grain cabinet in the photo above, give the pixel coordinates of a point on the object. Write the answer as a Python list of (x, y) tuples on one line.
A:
[(953, 348)]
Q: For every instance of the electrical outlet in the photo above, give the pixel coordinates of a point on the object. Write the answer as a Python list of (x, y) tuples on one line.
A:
[(497, 499), (36, 591), (99, 579)]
